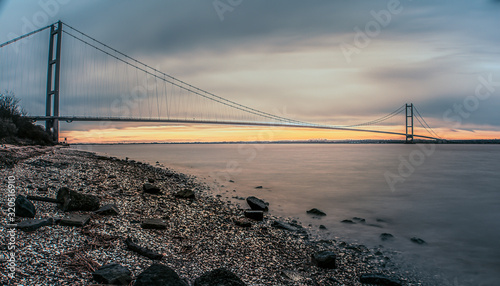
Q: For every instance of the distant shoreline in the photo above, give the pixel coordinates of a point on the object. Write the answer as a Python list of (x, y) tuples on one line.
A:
[(480, 141)]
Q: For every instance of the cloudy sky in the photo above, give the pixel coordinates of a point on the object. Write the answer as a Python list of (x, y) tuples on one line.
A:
[(329, 62)]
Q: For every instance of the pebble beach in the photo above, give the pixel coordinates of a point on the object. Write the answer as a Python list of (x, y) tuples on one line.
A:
[(190, 235)]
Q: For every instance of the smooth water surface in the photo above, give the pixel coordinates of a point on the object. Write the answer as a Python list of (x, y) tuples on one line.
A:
[(447, 195)]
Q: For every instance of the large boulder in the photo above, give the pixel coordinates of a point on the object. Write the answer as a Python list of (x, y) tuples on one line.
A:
[(159, 275), (114, 273), (257, 204), (73, 201), (219, 277), (24, 208), (324, 259)]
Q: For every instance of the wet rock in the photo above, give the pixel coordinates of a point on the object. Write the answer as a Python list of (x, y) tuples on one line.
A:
[(257, 204), (322, 227), (243, 222), (378, 279), (293, 227), (159, 275), (324, 259), (34, 224), (75, 220), (185, 194), (348, 221), (231, 181), (73, 201), (133, 244), (255, 215), (151, 189), (114, 273), (110, 209), (316, 212), (418, 240), (153, 223), (24, 208), (258, 187), (221, 277), (386, 236), (358, 219)]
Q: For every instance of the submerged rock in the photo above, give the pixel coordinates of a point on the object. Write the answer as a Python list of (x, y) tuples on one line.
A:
[(221, 277), (386, 236), (418, 240), (114, 273), (316, 212), (348, 221)]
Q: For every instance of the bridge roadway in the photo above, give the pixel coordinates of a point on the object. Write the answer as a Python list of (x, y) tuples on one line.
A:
[(244, 123)]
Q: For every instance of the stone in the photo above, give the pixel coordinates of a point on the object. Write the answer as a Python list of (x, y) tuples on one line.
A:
[(114, 273), (386, 236), (151, 180), (258, 187), (293, 227), (255, 215), (73, 201), (220, 277), (34, 224), (185, 194), (322, 226), (153, 223), (324, 259), (110, 209), (133, 244), (243, 222), (24, 208), (151, 189), (358, 219), (257, 204), (111, 177), (348, 221), (159, 275), (378, 279), (316, 212), (418, 240), (75, 220)]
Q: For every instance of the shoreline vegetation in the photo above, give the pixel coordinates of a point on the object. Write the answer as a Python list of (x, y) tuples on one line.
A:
[(165, 218)]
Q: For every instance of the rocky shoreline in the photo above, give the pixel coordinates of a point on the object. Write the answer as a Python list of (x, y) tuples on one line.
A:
[(184, 226)]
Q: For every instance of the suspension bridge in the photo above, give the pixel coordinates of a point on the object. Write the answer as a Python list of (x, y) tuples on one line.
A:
[(87, 80)]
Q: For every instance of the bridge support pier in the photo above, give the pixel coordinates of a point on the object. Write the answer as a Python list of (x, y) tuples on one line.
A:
[(409, 123), (53, 72)]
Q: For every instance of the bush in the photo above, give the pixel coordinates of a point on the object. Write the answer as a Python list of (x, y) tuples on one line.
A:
[(14, 126)]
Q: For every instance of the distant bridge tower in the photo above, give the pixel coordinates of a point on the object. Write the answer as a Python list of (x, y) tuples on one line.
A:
[(409, 123), (53, 72)]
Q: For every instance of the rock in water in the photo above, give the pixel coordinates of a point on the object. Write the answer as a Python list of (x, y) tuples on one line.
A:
[(324, 259), (220, 277), (386, 236), (159, 275), (24, 208), (34, 224), (378, 279), (185, 194), (316, 212), (74, 201), (151, 189), (418, 240), (114, 273), (255, 215), (257, 204)]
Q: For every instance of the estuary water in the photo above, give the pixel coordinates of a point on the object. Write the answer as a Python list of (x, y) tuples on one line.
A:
[(447, 195)]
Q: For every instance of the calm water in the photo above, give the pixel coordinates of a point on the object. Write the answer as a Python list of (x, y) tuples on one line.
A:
[(448, 195)]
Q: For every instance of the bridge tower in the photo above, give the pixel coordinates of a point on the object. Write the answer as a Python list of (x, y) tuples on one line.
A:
[(53, 73), (409, 123)]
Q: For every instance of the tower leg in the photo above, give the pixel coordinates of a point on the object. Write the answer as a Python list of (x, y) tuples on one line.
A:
[(409, 123), (53, 73)]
